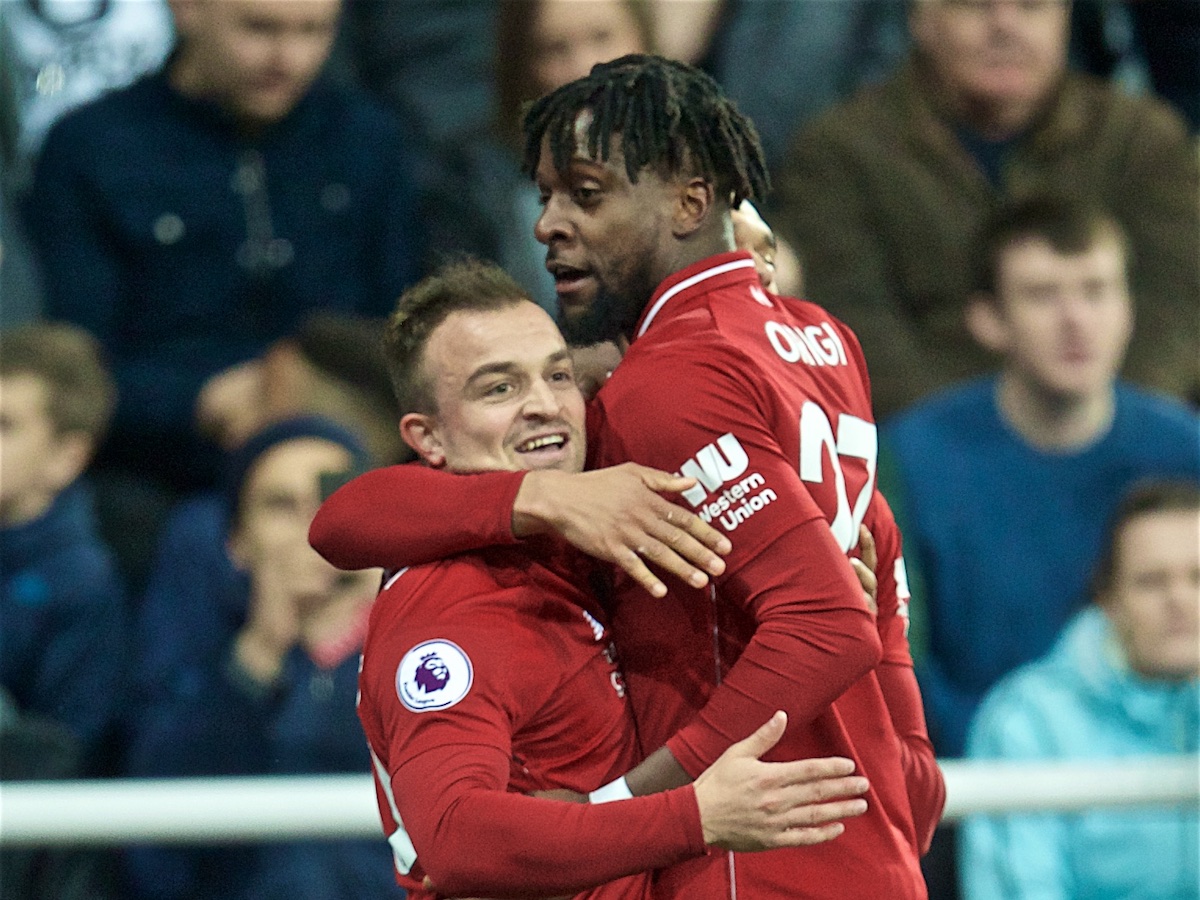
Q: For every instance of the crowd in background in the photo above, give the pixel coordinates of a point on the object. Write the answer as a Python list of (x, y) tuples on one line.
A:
[(209, 206)]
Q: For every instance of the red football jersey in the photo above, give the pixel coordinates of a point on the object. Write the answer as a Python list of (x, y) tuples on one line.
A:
[(766, 403), (492, 674)]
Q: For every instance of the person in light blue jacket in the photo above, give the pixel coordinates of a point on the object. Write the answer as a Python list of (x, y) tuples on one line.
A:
[(1121, 682)]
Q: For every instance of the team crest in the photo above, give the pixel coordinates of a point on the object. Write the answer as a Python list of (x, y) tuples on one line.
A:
[(433, 675)]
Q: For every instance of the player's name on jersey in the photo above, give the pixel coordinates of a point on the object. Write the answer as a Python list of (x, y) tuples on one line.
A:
[(814, 345)]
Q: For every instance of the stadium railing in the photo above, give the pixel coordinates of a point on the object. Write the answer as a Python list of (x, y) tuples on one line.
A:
[(197, 811)]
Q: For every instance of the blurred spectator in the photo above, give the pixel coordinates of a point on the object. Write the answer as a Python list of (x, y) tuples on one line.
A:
[(877, 194), (1144, 45), (332, 366), (196, 216), (538, 45), (63, 602), (56, 55), (1004, 484), (1008, 481), (60, 54), (260, 678), (785, 61), (62, 605), (1122, 681)]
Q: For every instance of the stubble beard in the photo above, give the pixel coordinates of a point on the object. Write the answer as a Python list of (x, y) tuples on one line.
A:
[(612, 315)]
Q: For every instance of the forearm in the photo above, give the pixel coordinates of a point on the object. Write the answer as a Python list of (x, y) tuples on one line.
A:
[(660, 771), (923, 778), (407, 515), (814, 638), (508, 845), (788, 666)]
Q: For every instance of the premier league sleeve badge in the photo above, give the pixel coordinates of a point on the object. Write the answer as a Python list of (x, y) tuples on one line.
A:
[(433, 675)]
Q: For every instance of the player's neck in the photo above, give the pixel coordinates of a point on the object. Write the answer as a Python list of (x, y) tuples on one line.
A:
[(1051, 421), (714, 238)]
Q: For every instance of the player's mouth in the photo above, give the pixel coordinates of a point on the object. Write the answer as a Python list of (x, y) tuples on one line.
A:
[(544, 449), (569, 282)]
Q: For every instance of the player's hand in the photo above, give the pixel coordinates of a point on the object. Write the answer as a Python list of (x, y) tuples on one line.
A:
[(593, 365), (616, 514), (865, 568), (746, 804)]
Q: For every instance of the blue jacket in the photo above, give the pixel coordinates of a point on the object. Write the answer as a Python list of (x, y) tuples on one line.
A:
[(195, 716), (1005, 536), (187, 248), (64, 637), (1082, 702)]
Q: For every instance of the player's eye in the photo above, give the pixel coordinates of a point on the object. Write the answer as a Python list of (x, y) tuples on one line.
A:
[(585, 195)]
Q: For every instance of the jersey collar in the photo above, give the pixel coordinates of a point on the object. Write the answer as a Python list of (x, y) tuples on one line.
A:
[(724, 268)]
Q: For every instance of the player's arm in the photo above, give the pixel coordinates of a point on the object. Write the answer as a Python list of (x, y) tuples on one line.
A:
[(660, 771), (813, 635), (480, 839), (923, 778), (406, 515)]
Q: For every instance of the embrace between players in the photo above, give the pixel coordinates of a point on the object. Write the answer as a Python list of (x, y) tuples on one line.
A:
[(491, 671)]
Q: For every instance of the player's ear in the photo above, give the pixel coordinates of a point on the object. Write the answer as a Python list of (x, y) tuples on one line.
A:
[(694, 204), (985, 322), (420, 432)]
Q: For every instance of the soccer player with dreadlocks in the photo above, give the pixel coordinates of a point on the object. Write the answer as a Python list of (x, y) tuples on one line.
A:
[(765, 400)]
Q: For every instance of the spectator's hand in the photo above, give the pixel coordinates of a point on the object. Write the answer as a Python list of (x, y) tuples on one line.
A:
[(746, 804), (865, 568), (272, 624), (328, 614), (230, 406), (616, 515)]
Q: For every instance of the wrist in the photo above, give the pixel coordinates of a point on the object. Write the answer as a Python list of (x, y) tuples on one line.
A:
[(533, 506), (614, 790)]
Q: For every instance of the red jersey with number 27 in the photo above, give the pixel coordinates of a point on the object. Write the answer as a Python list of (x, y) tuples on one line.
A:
[(766, 402)]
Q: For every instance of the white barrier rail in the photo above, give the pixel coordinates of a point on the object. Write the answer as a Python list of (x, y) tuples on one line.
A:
[(194, 811)]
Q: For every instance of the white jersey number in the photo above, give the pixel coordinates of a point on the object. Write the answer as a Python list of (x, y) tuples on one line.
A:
[(855, 438)]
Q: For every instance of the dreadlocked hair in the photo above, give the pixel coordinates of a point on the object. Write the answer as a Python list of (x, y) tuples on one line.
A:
[(671, 117)]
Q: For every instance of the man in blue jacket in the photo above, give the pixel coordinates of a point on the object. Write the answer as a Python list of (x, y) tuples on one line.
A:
[(196, 216)]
